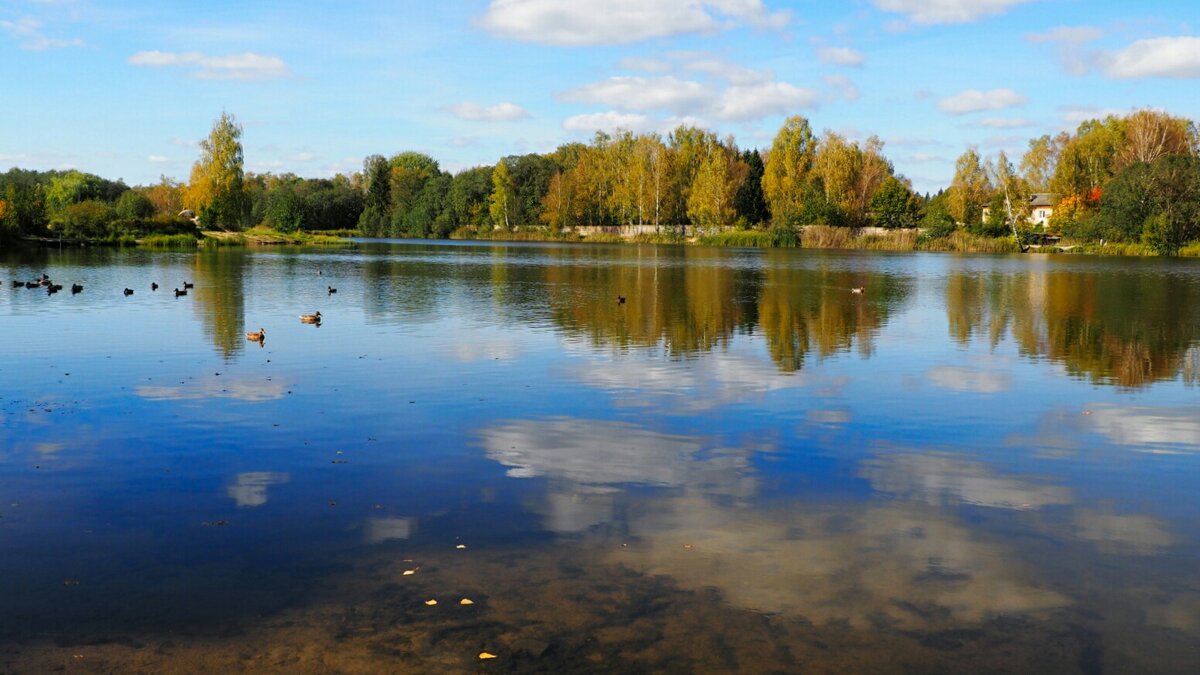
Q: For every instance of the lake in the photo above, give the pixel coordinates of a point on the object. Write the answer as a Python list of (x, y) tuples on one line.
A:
[(978, 463)]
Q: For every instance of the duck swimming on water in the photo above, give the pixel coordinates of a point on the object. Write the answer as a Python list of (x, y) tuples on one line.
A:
[(311, 318)]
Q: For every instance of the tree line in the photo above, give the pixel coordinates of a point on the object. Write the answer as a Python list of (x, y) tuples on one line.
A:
[(1124, 178)]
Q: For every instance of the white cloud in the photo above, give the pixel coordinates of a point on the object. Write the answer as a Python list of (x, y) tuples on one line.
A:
[(1005, 122), (599, 22), (973, 100), (246, 66), (610, 121), (1171, 57), (1073, 115), (929, 12), (842, 56), (501, 112), (29, 35), (642, 93), (1066, 34), (644, 65), (730, 72), (302, 157), (844, 85), (741, 103), (1068, 41), (157, 159)]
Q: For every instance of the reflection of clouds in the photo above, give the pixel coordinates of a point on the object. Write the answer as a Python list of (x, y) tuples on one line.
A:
[(829, 417), (597, 453), (250, 488), (486, 351), (1132, 534), (243, 390), (49, 449), (569, 512), (376, 530), (704, 383), (907, 565), (937, 478), (956, 378), (1145, 426)]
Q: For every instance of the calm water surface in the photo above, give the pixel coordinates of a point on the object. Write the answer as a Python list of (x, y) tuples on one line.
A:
[(978, 464)]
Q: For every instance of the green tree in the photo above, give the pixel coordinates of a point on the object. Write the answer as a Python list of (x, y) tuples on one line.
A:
[(894, 205), (215, 190), (467, 201), (133, 205), (749, 203), (377, 199)]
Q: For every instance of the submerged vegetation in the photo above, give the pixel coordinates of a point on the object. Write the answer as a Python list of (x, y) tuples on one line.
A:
[(1122, 185)]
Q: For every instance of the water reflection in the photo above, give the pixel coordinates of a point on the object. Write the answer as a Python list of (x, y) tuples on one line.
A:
[(941, 479), (902, 566), (241, 389), (250, 488), (1107, 325), (597, 454), (219, 298)]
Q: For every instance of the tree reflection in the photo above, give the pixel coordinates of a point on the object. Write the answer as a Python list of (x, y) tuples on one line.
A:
[(803, 310), (220, 298), (1112, 328)]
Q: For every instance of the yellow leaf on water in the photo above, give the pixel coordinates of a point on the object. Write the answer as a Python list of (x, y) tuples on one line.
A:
[(466, 601), (431, 602), (486, 655), (408, 573), (461, 546)]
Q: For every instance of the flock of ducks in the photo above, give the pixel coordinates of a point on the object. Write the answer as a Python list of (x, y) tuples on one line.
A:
[(44, 281)]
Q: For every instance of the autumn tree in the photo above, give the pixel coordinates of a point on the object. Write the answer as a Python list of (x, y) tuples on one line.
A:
[(1039, 161), (215, 191), (969, 190), (503, 196), (786, 174), (1150, 134)]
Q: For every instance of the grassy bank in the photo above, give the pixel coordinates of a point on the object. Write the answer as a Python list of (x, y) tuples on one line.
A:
[(262, 236)]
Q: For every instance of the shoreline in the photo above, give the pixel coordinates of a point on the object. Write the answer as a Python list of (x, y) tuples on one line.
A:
[(812, 237)]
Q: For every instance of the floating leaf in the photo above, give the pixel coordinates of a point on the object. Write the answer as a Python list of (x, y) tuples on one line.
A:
[(466, 601), (431, 602), (461, 546), (409, 573), (486, 655)]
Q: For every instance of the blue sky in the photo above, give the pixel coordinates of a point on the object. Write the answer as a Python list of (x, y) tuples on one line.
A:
[(126, 89)]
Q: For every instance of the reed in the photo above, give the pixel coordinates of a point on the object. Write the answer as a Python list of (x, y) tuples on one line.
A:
[(168, 241)]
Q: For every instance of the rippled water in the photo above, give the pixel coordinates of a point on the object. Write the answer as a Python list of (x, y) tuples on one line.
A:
[(979, 463)]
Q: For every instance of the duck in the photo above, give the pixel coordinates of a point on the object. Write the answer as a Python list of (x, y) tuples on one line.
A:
[(154, 285), (330, 290), (187, 285), (76, 288), (128, 291), (257, 337), (32, 284), (179, 292), (311, 318), (52, 289), (17, 283), (858, 290), (620, 299)]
